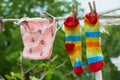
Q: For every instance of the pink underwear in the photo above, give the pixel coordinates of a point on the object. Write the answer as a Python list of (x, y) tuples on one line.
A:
[(38, 37)]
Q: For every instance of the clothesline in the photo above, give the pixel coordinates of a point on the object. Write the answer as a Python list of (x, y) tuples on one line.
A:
[(63, 18), (101, 16)]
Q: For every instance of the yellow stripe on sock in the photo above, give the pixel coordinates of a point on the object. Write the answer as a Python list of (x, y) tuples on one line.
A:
[(72, 29), (76, 56), (93, 54), (73, 33), (92, 40), (94, 49)]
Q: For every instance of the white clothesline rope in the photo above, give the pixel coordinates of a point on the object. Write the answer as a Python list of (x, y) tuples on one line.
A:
[(101, 16)]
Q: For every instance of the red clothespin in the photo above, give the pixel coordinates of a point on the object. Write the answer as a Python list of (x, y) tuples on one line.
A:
[(1, 25), (74, 12), (93, 10)]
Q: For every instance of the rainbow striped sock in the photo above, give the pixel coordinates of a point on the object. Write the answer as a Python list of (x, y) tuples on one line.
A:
[(73, 44), (93, 49)]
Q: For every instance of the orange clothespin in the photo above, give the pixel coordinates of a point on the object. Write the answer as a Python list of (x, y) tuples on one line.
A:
[(74, 12), (93, 10)]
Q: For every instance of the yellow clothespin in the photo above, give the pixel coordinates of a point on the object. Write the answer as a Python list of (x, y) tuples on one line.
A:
[(1, 25), (93, 10), (74, 12), (48, 16)]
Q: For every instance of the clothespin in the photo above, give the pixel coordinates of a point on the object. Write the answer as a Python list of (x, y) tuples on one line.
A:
[(94, 7), (74, 12), (1, 25), (48, 16), (93, 10)]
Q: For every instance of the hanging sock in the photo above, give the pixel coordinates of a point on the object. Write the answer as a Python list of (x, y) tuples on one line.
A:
[(38, 37), (73, 43), (93, 48)]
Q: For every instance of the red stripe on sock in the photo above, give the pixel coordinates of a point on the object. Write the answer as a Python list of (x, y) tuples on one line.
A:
[(94, 67), (91, 19), (78, 70), (69, 23)]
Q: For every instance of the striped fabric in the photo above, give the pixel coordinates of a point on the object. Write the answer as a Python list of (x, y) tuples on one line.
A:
[(93, 49), (73, 44), (73, 38)]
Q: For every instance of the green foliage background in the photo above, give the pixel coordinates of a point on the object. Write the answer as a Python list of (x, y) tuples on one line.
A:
[(11, 44)]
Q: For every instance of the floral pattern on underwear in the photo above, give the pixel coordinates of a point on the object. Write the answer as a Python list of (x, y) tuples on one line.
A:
[(38, 37)]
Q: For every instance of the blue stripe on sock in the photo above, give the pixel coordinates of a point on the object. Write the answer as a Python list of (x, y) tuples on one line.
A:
[(95, 59), (78, 63), (92, 34), (73, 38)]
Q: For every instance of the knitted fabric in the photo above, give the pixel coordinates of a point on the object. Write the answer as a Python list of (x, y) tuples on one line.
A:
[(93, 48), (73, 43)]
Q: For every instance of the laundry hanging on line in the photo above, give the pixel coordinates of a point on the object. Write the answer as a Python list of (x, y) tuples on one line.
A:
[(38, 38)]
